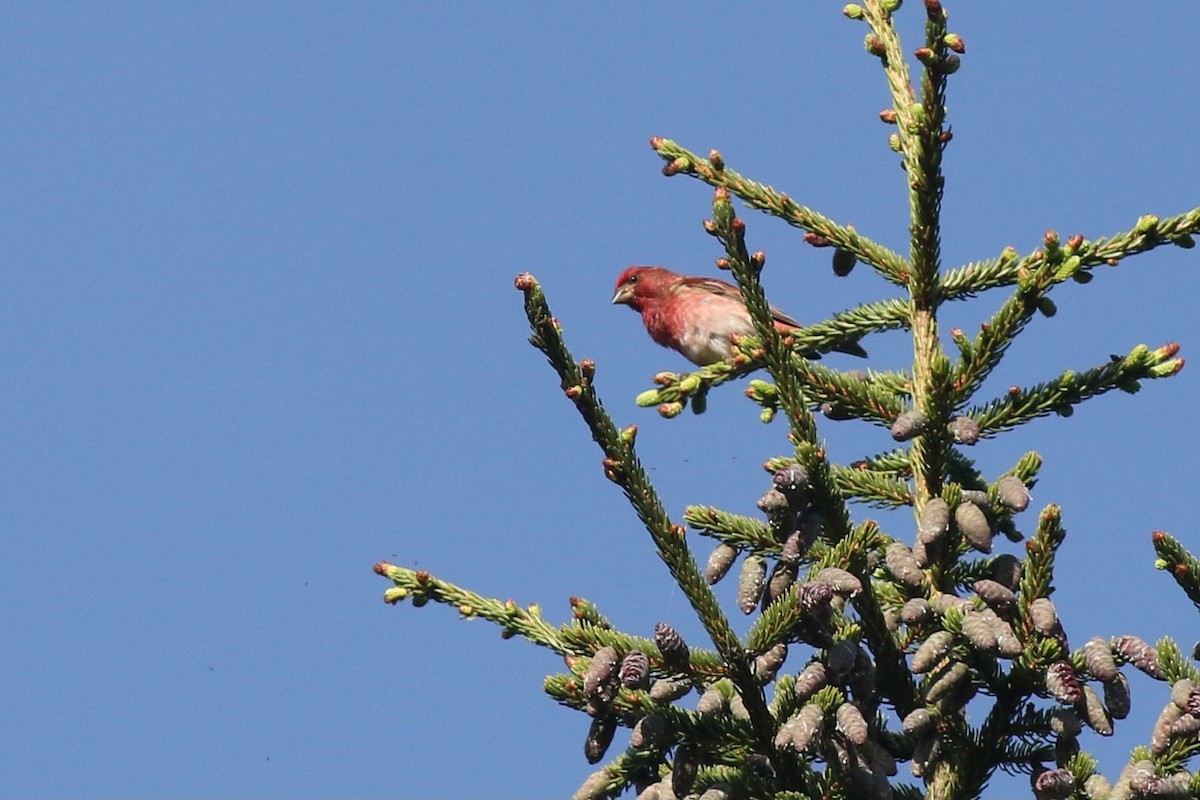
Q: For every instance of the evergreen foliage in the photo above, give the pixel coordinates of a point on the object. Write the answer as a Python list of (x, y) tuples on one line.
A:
[(867, 645)]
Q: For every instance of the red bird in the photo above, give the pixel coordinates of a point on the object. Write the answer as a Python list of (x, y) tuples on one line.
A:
[(697, 316)]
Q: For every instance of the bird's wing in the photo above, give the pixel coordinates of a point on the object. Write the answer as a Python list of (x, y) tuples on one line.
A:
[(720, 287)]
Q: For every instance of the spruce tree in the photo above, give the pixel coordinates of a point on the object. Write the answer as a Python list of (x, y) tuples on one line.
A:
[(883, 660)]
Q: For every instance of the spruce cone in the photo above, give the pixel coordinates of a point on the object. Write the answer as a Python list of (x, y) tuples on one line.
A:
[(600, 736), (712, 703), (596, 787), (943, 602), (1011, 492), (909, 425), (674, 650), (792, 482), (808, 726), (840, 581), (931, 651), (851, 723), (1006, 571), (783, 576), (840, 657), (1044, 616), (1095, 714), (1054, 784), (1097, 654), (768, 664), (1164, 728), (918, 721), (843, 262), (793, 548), (1008, 645), (979, 632), (949, 680), (1065, 722), (719, 562), (814, 596), (751, 582), (668, 690), (684, 770), (999, 598), (973, 525), (810, 680), (935, 521), (904, 568), (648, 731), (914, 611), (1141, 655), (1062, 683), (1116, 696), (597, 680), (964, 430), (635, 670), (1181, 692)]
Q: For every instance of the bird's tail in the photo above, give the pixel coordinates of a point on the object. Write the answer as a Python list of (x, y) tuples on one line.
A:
[(850, 348)]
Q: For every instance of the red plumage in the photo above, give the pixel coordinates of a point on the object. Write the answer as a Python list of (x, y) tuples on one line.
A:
[(696, 316)]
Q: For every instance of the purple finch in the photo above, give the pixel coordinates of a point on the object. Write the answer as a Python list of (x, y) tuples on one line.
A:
[(697, 316)]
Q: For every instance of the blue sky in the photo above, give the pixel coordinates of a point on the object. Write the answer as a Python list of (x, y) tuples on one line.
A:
[(259, 332)]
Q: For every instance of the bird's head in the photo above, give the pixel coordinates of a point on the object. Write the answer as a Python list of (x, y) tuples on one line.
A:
[(640, 285)]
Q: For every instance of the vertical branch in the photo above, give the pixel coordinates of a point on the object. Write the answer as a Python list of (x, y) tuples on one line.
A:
[(778, 357), (921, 139), (621, 465)]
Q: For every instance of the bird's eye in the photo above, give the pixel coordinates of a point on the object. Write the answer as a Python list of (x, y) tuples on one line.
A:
[(632, 279)]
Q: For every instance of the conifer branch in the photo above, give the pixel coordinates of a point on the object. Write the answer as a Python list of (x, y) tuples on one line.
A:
[(861, 482), (1071, 389), (420, 587), (734, 529), (731, 231), (872, 487), (715, 173), (623, 467), (1148, 233), (1183, 566), (974, 626)]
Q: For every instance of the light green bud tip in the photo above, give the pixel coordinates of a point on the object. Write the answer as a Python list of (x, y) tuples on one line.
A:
[(650, 397), (853, 11), (1147, 223)]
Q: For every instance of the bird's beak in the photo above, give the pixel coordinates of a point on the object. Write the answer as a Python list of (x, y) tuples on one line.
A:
[(624, 295)]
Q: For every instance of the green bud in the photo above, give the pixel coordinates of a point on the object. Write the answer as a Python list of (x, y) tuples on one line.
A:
[(1047, 307), (853, 11), (669, 410), (1147, 224), (1068, 269), (689, 384), (1185, 241), (763, 389), (767, 414), (650, 397)]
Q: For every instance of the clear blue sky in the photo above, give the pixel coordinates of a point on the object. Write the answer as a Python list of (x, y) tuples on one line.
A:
[(259, 332)]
